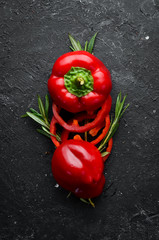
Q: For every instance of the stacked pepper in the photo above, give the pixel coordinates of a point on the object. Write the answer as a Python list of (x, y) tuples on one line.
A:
[(80, 84)]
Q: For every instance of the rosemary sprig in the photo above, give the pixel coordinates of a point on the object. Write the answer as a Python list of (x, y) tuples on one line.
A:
[(119, 111), (89, 201), (91, 44), (46, 106), (42, 117), (85, 46), (105, 154), (76, 46)]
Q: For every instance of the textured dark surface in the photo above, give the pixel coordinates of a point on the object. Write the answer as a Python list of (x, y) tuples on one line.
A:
[(33, 35)]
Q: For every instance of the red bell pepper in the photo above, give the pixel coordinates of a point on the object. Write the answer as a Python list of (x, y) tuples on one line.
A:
[(65, 133), (99, 118), (78, 167), (53, 131), (109, 148), (78, 118), (79, 81), (104, 131)]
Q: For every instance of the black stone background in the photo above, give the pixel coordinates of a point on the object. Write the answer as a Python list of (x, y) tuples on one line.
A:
[(33, 35)]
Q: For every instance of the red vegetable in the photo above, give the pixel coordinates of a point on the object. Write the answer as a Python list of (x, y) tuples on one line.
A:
[(79, 81), (78, 167), (78, 118), (104, 132), (53, 131), (77, 137), (109, 148), (65, 133), (99, 118), (94, 131)]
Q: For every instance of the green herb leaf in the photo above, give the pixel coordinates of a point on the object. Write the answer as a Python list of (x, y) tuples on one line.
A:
[(76, 45), (43, 132), (121, 104), (72, 49), (113, 130), (89, 201), (46, 106), (69, 195), (91, 43), (117, 104), (124, 110), (41, 107), (48, 132), (79, 45), (105, 154), (114, 124), (85, 47), (24, 115), (92, 204), (37, 119), (85, 201), (35, 112)]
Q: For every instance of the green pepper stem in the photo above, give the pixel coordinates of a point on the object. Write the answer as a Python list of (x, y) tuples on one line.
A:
[(80, 80)]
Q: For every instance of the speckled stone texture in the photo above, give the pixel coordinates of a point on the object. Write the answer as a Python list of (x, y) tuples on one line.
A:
[(33, 35)]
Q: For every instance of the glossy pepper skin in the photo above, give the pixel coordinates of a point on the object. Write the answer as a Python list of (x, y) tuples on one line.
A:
[(70, 102), (78, 167)]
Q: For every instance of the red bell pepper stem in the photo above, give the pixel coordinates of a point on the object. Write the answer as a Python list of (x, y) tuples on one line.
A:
[(109, 148), (53, 131), (104, 132), (80, 129)]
